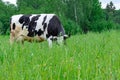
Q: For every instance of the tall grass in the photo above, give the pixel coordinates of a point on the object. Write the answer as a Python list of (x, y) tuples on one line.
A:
[(92, 56)]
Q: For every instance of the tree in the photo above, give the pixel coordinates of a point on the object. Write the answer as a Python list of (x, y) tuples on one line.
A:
[(76, 15), (117, 16), (6, 10), (110, 9)]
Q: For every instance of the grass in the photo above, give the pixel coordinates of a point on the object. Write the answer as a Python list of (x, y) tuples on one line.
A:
[(92, 56)]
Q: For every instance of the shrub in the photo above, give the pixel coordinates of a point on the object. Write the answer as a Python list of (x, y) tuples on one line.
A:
[(102, 25), (70, 26)]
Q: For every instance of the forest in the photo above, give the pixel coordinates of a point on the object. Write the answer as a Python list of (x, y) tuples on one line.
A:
[(77, 16)]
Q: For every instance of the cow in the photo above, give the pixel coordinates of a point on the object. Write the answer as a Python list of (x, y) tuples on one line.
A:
[(36, 27)]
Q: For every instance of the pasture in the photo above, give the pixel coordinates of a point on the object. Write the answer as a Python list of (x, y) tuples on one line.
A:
[(91, 56)]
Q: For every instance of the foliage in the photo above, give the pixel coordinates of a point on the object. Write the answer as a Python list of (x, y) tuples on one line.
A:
[(112, 16), (116, 17), (70, 26), (6, 10), (103, 25), (77, 16)]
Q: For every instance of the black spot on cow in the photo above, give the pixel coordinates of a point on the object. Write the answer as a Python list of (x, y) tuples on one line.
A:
[(13, 26), (32, 26), (44, 27), (44, 20), (35, 18), (21, 20), (40, 32), (25, 20), (47, 35), (55, 28)]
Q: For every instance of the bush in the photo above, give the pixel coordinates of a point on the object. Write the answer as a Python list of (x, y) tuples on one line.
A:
[(70, 26), (102, 25), (1, 25)]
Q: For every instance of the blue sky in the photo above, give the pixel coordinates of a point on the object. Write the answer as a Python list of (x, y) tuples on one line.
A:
[(116, 3)]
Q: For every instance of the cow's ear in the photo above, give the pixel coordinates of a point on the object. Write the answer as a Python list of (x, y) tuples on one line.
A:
[(66, 36)]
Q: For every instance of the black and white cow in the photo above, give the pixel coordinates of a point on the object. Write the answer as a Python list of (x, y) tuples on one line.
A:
[(36, 27)]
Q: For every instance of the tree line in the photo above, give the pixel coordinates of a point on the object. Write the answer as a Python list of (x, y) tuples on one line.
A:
[(77, 16)]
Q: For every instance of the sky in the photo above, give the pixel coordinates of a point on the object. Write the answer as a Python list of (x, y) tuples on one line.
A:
[(11, 1), (104, 3), (115, 2)]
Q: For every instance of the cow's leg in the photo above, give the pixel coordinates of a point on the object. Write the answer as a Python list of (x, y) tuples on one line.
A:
[(20, 39), (12, 38), (50, 41)]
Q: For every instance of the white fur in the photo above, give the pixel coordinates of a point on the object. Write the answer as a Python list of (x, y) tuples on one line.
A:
[(39, 23), (15, 19), (49, 41)]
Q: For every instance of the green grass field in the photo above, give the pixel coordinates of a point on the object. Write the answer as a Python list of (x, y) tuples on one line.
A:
[(92, 56)]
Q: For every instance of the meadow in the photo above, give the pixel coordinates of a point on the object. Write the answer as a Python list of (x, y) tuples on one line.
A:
[(91, 56)]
